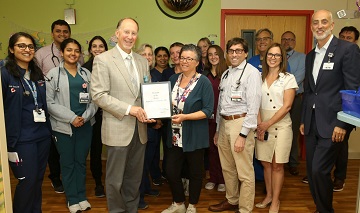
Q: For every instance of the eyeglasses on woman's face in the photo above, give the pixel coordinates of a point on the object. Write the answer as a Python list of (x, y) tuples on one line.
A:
[(187, 60), (271, 55), (23, 46)]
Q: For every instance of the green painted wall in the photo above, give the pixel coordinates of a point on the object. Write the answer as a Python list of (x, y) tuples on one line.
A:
[(94, 17)]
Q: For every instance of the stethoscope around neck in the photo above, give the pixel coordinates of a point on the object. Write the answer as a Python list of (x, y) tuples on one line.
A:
[(57, 89), (54, 56), (237, 82)]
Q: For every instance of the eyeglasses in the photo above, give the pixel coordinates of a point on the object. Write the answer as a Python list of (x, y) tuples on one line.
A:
[(187, 60), (271, 55), (237, 51), (263, 39), (287, 39), (23, 46)]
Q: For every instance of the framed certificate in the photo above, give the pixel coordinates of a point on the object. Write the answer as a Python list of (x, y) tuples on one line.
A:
[(156, 99)]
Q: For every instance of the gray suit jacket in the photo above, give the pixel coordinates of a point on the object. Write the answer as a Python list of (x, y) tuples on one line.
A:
[(111, 89)]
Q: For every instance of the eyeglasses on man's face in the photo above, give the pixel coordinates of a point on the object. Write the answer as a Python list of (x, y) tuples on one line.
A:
[(187, 60), (287, 39), (263, 39), (23, 46), (271, 55), (237, 51)]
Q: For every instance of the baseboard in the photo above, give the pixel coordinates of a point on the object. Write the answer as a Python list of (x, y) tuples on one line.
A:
[(354, 155)]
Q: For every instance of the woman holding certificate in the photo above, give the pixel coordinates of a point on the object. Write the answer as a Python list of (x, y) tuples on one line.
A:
[(192, 102)]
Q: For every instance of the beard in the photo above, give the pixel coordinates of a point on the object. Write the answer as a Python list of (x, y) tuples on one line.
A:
[(288, 49), (327, 32)]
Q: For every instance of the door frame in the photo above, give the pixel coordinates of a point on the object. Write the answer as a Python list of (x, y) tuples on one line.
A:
[(306, 13)]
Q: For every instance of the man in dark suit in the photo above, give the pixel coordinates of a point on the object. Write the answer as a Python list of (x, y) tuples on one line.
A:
[(333, 65), (115, 87), (350, 34)]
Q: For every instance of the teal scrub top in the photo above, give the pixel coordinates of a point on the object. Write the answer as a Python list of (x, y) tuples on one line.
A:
[(75, 88)]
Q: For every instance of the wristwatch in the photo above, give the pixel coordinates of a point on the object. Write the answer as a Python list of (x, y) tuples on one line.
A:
[(242, 135)]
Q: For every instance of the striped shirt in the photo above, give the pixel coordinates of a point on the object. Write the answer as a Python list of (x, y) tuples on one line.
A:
[(249, 88)]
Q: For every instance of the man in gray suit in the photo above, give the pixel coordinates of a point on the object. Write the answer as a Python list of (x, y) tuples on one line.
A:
[(115, 87)]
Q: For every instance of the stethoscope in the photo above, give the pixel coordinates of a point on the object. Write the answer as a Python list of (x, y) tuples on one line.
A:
[(81, 74), (54, 56), (237, 82)]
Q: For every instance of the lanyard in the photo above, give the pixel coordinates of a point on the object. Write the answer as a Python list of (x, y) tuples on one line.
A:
[(187, 87), (33, 91), (288, 56)]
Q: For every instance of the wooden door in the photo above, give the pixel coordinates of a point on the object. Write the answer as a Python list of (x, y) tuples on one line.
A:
[(277, 24), (278, 21)]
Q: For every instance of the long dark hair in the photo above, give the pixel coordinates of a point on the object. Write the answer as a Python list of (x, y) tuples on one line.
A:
[(221, 67), (11, 64), (283, 63), (91, 42)]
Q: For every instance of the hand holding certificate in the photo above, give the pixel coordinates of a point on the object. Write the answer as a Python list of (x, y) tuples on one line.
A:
[(156, 99)]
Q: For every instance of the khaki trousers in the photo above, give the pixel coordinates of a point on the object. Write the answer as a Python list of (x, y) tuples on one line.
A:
[(237, 166)]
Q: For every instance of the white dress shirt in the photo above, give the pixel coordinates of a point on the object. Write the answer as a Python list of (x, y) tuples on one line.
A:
[(249, 88)]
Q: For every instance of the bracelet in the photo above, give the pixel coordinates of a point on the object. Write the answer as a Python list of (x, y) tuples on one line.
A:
[(242, 135)]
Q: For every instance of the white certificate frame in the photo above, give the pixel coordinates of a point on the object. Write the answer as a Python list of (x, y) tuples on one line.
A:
[(156, 99)]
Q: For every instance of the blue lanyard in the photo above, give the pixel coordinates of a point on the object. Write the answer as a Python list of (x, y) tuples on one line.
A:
[(33, 91)]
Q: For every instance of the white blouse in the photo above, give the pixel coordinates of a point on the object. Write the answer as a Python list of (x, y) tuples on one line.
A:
[(273, 96)]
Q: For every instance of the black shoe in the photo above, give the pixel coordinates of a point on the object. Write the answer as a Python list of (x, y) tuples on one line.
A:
[(99, 191), (305, 180), (293, 170), (338, 185), (57, 185), (158, 182), (142, 204), (152, 192)]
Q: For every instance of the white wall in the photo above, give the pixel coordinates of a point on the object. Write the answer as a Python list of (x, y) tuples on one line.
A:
[(331, 5)]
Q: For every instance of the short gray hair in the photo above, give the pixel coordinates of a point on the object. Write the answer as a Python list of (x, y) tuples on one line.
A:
[(192, 48), (265, 30)]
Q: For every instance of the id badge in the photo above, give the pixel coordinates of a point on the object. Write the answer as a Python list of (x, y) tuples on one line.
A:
[(236, 95), (39, 115), (328, 66), (176, 136), (84, 97)]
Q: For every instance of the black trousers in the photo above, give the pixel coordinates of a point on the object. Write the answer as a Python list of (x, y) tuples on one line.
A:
[(342, 159), (96, 150), (321, 154), (295, 114), (175, 161), (30, 174), (54, 163)]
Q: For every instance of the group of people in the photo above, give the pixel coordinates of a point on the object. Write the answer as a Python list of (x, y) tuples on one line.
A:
[(57, 109)]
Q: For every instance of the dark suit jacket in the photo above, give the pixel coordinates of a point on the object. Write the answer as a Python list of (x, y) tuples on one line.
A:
[(345, 75)]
